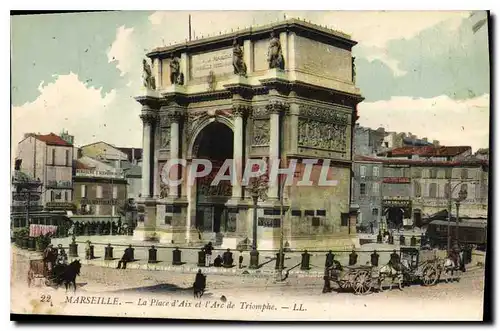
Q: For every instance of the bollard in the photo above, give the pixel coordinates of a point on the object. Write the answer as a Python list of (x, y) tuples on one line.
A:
[(108, 252), (132, 250), (353, 258), (31, 244), (280, 260), (227, 259), (413, 241), (73, 249), (254, 259), (374, 259), (176, 257), (304, 264), (402, 240), (152, 255), (201, 258), (330, 257)]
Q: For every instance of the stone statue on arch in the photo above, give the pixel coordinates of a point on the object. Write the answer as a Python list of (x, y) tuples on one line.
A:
[(240, 68), (147, 76), (274, 53), (176, 76)]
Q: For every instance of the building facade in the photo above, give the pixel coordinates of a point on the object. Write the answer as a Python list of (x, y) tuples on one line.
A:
[(283, 90), (367, 190), (98, 191), (49, 158)]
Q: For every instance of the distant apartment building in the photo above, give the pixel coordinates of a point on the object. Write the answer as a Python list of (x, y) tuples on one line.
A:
[(421, 181), (129, 160), (99, 190), (366, 190), (368, 141), (394, 140), (48, 158)]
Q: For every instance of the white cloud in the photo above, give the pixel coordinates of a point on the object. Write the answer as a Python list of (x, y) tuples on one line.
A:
[(120, 49), (393, 64), (69, 104), (452, 122)]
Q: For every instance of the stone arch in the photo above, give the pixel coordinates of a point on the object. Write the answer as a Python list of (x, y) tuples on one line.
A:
[(193, 140)]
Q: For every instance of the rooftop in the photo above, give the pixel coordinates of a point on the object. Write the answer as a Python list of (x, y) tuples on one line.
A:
[(293, 24), (52, 139), (426, 151), (468, 161)]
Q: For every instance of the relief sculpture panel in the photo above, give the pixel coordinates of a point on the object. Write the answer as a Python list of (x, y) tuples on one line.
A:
[(165, 138), (321, 135), (260, 133)]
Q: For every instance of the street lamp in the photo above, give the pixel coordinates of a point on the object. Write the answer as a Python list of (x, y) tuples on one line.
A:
[(257, 189), (462, 195)]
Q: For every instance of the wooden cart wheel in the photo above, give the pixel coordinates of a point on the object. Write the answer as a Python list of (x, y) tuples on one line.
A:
[(362, 283), (430, 275)]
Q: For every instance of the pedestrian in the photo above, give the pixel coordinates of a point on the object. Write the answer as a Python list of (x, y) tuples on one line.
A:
[(87, 250), (200, 282), (208, 254), (330, 257), (218, 261), (371, 228), (353, 258), (395, 261), (127, 257), (326, 285), (240, 261)]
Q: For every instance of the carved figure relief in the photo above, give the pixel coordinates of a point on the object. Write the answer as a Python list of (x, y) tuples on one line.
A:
[(165, 138), (323, 114), (163, 190), (260, 112), (274, 53), (240, 68), (147, 76), (328, 136), (176, 76), (260, 133), (353, 70), (211, 81)]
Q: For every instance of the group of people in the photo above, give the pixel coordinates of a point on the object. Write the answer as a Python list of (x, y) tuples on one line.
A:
[(54, 257)]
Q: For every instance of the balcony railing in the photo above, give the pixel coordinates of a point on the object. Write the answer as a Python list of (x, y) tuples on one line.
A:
[(99, 173), (59, 184)]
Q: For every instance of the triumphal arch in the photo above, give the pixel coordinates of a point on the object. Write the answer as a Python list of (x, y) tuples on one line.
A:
[(283, 91)]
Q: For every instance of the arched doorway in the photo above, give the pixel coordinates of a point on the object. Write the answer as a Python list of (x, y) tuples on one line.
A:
[(214, 143)]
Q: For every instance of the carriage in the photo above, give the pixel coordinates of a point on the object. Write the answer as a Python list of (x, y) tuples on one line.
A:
[(421, 265), (360, 279), (38, 271)]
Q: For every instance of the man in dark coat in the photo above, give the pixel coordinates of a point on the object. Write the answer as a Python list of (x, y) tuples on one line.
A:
[(330, 257), (218, 261), (374, 258), (127, 257), (200, 282), (240, 261), (395, 261), (208, 254), (353, 258), (326, 286)]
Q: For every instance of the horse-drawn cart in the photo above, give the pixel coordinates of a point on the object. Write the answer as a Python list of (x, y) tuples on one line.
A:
[(421, 265), (360, 279), (39, 271)]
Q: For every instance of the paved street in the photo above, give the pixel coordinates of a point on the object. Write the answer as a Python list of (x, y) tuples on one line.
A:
[(443, 301)]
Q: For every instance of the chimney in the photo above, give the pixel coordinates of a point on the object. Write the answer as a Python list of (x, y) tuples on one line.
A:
[(425, 139)]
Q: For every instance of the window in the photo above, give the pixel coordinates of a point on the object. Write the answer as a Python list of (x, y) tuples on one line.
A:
[(447, 190), (344, 219), (84, 191), (54, 156), (464, 174), (432, 190), (52, 196), (68, 161), (433, 173), (417, 173), (375, 188), (66, 196), (417, 190), (98, 193), (362, 189), (315, 221), (115, 192), (375, 172), (375, 212), (463, 187), (362, 171)]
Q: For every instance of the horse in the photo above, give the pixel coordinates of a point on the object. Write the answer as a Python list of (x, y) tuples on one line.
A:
[(67, 274), (388, 271)]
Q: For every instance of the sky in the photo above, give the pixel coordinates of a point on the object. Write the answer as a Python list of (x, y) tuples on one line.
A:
[(421, 72)]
